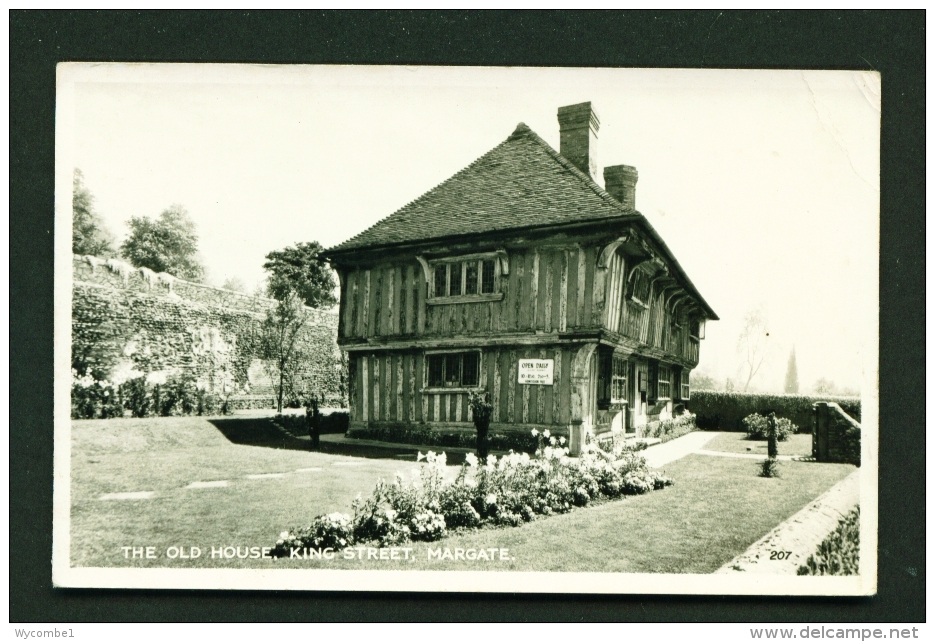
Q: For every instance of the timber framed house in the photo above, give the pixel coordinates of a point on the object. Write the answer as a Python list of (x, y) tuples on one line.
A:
[(522, 276)]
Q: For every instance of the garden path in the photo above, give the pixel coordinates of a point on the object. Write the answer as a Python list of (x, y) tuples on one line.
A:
[(719, 453), (662, 454), (799, 536)]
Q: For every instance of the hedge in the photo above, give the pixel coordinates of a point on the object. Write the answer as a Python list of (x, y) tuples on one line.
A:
[(726, 410), (334, 422)]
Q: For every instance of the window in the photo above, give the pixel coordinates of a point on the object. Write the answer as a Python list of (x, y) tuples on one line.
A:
[(641, 287), (604, 377), (441, 280), (453, 370), (664, 382), (685, 389), (488, 273), (469, 277), (696, 328), (619, 379)]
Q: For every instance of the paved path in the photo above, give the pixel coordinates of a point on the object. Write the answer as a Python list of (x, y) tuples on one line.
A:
[(719, 453), (799, 536), (662, 454)]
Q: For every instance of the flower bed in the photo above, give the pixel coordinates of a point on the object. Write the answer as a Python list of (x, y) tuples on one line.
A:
[(670, 428), (508, 491), (139, 397), (403, 434)]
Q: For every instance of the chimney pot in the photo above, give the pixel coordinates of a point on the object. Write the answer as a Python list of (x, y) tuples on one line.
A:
[(578, 126), (620, 182)]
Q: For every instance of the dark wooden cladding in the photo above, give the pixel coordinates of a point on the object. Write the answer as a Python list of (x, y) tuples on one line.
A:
[(390, 387), (549, 290)]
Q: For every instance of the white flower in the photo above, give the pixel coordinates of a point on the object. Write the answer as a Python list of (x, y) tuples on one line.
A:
[(552, 440), (420, 456), (535, 433), (491, 499), (561, 440), (471, 460), (546, 434)]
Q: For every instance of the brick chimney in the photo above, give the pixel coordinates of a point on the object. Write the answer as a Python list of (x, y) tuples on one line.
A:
[(578, 126), (620, 182)]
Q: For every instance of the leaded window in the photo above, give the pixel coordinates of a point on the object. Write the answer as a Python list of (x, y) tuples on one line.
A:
[(453, 370)]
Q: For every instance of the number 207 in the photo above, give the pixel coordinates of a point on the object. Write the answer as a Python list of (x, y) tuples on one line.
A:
[(779, 555)]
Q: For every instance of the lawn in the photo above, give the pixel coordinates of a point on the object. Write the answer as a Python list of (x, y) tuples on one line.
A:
[(737, 442), (715, 510)]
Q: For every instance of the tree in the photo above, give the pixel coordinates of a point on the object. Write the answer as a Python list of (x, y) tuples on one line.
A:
[(753, 345), (824, 387), (168, 244), (235, 285), (792, 375), (88, 233), (298, 269), (701, 380), (281, 340)]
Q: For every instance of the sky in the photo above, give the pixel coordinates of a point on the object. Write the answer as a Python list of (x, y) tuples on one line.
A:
[(764, 184)]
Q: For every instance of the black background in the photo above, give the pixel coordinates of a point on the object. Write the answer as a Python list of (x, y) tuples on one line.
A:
[(892, 43)]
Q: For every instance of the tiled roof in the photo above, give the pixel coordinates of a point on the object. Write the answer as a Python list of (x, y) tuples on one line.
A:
[(521, 182)]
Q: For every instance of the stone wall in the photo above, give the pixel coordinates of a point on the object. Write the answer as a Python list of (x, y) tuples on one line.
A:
[(128, 321), (836, 435)]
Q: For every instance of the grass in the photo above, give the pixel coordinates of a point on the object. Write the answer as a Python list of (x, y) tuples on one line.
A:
[(737, 442), (717, 508)]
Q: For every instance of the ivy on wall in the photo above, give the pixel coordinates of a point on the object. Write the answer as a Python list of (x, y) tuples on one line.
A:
[(125, 324)]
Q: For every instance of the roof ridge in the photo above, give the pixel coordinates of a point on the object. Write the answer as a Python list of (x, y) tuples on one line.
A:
[(523, 131)]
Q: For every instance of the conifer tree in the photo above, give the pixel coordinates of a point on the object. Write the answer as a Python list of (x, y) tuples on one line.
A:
[(792, 375)]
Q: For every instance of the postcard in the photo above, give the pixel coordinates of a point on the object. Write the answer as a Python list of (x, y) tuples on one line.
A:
[(545, 330)]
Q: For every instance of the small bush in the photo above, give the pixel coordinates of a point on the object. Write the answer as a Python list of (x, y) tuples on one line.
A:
[(839, 553), (757, 427), (769, 468), (137, 397), (334, 531)]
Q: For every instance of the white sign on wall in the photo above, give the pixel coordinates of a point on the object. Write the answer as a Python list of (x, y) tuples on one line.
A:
[(536, 371)]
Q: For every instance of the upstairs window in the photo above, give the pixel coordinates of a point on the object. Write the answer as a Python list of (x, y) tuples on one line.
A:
[(641, 288), (453, 370), (469, 277)]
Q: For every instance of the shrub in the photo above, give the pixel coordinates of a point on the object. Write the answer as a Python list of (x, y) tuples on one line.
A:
[(92, 398), (670, 428), (726, 410), (333, 531), (769, 467), (137, 397), (839, 553), (757, 427)]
